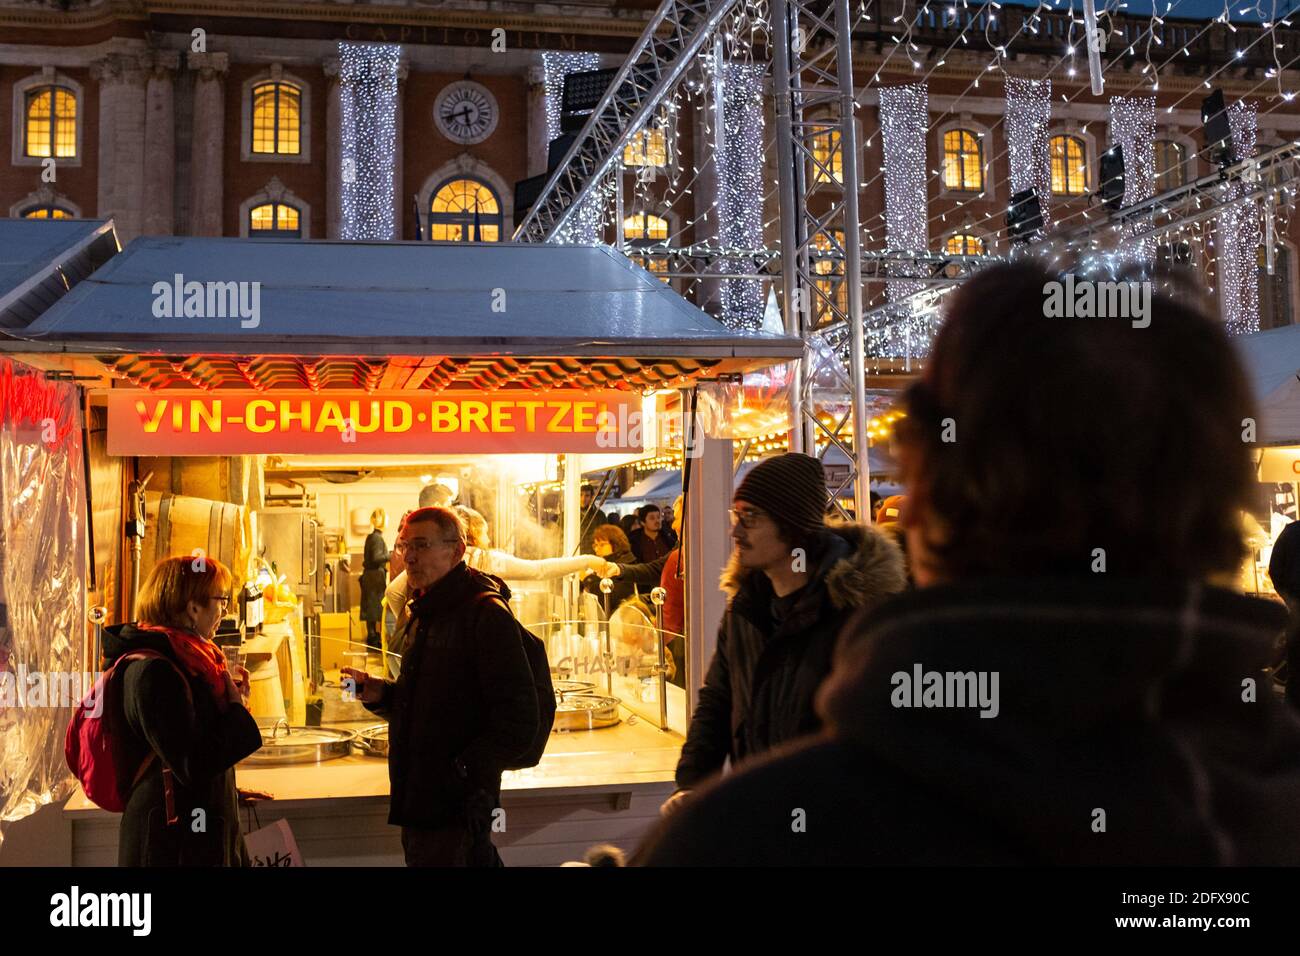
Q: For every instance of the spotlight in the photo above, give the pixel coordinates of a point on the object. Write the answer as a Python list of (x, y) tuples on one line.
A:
[(1112, 177), (582, 93), (526, 193), (1025, 216), (1217, 130)]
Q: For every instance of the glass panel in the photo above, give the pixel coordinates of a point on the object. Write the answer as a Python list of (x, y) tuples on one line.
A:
[(831, 289), (961, 161), (65, 123), (489, 233), (290, 120), (829, 157), (287, 218), (649, 147), (262, 218), (264, 118), (1069, 172), (38, 123)]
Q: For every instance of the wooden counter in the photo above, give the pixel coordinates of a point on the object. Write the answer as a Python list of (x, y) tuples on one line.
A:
[(598, 786)]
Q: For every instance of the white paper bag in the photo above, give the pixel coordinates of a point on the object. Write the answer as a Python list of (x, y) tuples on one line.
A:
[(273, 845)]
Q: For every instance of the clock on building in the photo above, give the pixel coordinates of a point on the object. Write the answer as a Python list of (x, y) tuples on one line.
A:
[(466, 112)]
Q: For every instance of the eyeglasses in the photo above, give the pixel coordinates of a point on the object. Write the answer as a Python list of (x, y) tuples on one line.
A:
[(223, 598), (420, 545), (747, 518)]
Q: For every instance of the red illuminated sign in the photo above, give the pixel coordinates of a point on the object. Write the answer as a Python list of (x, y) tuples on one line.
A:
[(235, 423)]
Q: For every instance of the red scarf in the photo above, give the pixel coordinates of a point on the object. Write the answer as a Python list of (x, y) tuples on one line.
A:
[(200, 657)]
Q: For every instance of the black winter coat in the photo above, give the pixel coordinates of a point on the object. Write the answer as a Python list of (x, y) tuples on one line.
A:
[(465, 692), (624, 587), (200, 744), (758, 692), (1128, 697), (374, 577)]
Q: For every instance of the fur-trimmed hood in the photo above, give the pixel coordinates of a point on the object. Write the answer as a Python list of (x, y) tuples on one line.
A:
[(861, 567)]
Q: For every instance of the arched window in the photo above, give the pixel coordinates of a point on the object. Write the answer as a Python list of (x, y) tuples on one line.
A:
[(649, 147), (465, 210), (833, 289), (274, 220), (963, 161), (1069, 166), (1170, 164), (964, 244), (277, 119), (51, 122), (828, 156), (46, 212), (643, 229)]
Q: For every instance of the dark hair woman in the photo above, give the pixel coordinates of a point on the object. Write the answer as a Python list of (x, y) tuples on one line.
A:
[(185, 722), (609, 542)]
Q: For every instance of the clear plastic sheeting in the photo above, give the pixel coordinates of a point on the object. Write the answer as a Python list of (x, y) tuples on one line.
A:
[(752, 405), (43, 672)]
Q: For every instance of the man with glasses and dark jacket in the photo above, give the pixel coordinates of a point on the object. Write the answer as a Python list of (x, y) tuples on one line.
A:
[(793, 582), (463, 705)]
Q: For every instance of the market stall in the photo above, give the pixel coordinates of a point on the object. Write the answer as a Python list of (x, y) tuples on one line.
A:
[(298, 387)]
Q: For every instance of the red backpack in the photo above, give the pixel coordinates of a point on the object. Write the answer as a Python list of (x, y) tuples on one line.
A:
[(91, 746)]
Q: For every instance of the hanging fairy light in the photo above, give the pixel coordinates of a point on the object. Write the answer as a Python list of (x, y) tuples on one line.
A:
[(368, 135), (1029, 111), (1239, 238), (584, 226), (1133, 129), (740, 185), (904, 125)]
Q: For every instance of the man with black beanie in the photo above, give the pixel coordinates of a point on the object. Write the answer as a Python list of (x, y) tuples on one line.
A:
[(793, 581)]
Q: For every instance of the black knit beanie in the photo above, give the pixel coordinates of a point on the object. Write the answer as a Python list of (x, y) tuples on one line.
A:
[(790, 486)]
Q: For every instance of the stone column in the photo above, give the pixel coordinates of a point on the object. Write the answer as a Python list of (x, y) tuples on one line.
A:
[(160, 145), (208, 154), (401, 202), (121, 141), (333, 151), (538, 134)]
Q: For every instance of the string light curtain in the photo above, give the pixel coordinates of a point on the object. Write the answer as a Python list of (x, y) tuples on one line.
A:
[(368, 129), (1133, 129), (740, 188), (1239, 234), (584, 226), (1029, 112), (904, 128)]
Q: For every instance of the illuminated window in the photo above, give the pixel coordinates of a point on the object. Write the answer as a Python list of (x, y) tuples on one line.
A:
[(643, 229), (46, 212), (274, 220), (963, 161), (832, 290), (645, 225), (828, 157), (964, 244), (277, 119), (465, 210), (1170, 168), (51, 127), (649, 147), (1069, 166)]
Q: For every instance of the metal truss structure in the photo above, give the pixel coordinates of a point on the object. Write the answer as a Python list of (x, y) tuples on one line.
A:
[(812, 77), (666, 48), (814, 99)]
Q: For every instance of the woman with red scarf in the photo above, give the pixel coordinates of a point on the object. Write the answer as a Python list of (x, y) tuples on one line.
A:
[(184, 722)]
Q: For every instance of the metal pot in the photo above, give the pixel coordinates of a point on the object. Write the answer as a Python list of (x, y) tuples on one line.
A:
[(563, 688), (294, 745), (373, 740), (585, 712)]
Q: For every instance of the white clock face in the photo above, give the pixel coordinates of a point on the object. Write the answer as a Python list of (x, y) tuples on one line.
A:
[(466, 112)]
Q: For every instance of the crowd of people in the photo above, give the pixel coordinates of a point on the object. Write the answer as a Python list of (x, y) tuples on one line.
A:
[(1036, 657)]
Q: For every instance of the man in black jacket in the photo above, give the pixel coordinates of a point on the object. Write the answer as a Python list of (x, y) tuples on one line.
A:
[(463, 705), (793, 582)]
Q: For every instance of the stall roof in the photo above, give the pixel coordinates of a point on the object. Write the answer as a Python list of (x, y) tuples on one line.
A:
[(1272, 363), (390, 314), (41, 259)]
